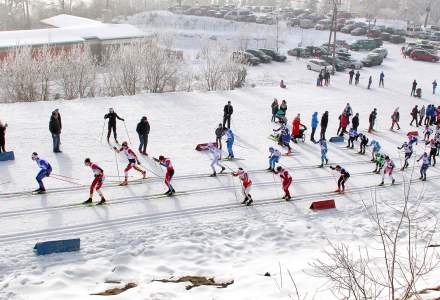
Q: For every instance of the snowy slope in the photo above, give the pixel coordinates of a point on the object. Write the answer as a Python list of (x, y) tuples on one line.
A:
[(142, 236)]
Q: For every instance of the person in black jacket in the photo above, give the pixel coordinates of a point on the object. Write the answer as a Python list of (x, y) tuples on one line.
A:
[(112, 116), (413, 88), (351, 73), (372, 120), (355, 122), (415, 115), (143, 129), (55, 130), (227, 113), (2, 136), (219, 132), (324, 123)]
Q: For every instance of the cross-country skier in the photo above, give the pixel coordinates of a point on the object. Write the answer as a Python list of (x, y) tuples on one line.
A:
[(380, 162), (112, 116), (216, 157), (376, 148), (426, 162), (408, 148), (342, 178), (97, 181), (45, 170), (427, 133), (412, 139), (395, 117), (388, 170), (433, 152), (132, 161), (274, 157), (166, 162), (284, 138), (229, 143), (287, 181), (246, 185), (363, 143), (352, 134), (372, 120), (324, 149)]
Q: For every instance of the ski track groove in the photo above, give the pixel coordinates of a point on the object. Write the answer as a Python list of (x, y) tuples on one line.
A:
[(109, 224)]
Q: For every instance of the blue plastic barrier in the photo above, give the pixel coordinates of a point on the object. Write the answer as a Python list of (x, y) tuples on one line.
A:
[(57, 246), (4, 156), (337, 139)]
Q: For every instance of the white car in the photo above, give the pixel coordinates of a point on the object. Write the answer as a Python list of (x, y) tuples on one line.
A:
[(318, 65), (381, 51)]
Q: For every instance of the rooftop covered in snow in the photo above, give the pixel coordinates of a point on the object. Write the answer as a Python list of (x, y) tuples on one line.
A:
[(65, 20)]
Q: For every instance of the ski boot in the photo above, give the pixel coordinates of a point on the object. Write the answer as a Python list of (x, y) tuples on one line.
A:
[(36, 191), (326, 161), (288, 198), (213, 174), (249, 203), (338, 191), (167, 192), (321, 165), (245, 200), (102, 201), (144, 174), (42, 191), (381, 184), (392, 182), (88, 201), (223, 169), (123, 183)]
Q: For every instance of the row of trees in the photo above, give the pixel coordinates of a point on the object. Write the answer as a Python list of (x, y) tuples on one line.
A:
[(126, 69)]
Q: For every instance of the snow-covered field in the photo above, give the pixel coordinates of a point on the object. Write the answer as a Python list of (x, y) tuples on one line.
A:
[(140, 236)]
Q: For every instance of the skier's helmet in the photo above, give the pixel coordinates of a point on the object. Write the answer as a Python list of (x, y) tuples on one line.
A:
[(124, 144), (34, 155), (271, 149), (279, 169), (161, 157)]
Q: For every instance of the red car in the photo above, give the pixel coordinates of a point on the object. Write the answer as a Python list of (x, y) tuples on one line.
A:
[(419, 54), (374, 33)]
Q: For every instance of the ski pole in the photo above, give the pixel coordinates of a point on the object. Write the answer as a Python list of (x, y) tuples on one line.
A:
[(126, 130), (102, 133), (60, 179), (62, 176), (117, 164)]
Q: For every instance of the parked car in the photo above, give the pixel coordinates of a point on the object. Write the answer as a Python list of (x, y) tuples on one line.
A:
[(343, 52), (363, 45), (245, 58), (293, 22), (340, 65), (318, 65), (385, 36), (266, 19), (374, 33), (232, 15), (306, 23), (275, 55), (419, 54), (397, 39), (381, 51), (323, 25), (435, 36), (358, 31), (372, 60), (317, 50), (351, 62), (347, 28), (303, 52), (263, 57)]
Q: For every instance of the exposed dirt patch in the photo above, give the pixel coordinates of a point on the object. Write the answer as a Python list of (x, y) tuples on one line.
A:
[(197, 281), (116, 291)]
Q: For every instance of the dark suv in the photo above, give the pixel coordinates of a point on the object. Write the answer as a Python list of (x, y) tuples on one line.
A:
[(242, 57), (275, 55), (259, 54)]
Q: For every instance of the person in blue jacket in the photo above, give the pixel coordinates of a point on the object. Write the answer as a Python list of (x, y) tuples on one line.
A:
[(314, 124), (375, 150), (274, 157), (45, 170), (381, 78), (324, 149), (230, 143)]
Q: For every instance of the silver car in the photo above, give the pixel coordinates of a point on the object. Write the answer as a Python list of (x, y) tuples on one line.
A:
[(381, 51), (318, 65)]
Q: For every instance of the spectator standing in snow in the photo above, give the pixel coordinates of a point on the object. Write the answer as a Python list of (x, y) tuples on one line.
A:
[(327, 77), (282, 84), (219, 132), (415, 115), (143, 130), (381, 78), (434, 86), (112, 116), (395, 117), (343, 123), (422, 112), (372, 120), (314, 124), (414, 87), (324, 123), (355, 121), (370, 81), (356, 78), (275, 108), (228, 110), (55, 129), (351, 74), (3, 136)]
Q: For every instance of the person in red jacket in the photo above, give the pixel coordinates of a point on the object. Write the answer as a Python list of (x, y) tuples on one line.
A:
[(343, 123), (166, 162), (287, 181), (246, 185), (296, 127)]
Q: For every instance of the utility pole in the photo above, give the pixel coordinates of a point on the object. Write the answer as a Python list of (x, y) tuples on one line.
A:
[(428, 11), (277, 20), (333, 32)]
